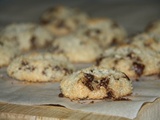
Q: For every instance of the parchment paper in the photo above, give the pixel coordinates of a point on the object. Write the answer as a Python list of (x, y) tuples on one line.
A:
[(18, 92)]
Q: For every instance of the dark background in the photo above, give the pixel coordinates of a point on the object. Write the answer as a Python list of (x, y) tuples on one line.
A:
[(134, 15)]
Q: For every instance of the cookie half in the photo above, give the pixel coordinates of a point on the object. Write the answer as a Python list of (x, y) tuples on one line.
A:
[(27, 35), (40, 67), (96, 83), (132, 60), (77, 49)]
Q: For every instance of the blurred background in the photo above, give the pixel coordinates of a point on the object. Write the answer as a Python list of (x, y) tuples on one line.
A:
[(134, 15)]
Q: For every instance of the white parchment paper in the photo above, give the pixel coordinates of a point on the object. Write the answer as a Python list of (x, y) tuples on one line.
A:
[(18, 92)]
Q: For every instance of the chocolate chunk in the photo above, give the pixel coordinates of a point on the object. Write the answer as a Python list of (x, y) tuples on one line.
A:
[(33, 42), (44, 21), (1, 43), (32, 68), (98, 60), (88, 81), (114, 42), (89, 77), (149, 27), (104, 82), (97, 31), (122, 99), (132, 55), (44, 72), (110, 95), (90, 31), (138, 68), (89, 85), (67, 71), (24, 63), (61, 95), (57, 68), (61, 24), (125, 76), (92, 102)]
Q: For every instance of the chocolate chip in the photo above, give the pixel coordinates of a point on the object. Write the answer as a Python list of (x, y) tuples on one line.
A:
[(92, 102), (1, 43), (33, 42), (32, 68), (88, 81), (149, 27), (44, 21), (90, 31), (138, 68), (104, 82), (44, 72), (89, 85), (89, 77), (61, 95), (60, 24), (57, 68), (97, 31), (122, 99), (24, 63), (98, 60), (125, 76), (110, 95), (132, 55), (67, 71), (114, 42)]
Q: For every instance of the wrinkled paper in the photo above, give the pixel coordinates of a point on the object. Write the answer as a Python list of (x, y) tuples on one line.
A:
[(18, 92)]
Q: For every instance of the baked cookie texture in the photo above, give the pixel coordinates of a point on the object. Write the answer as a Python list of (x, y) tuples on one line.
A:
[(103, 31), (134, 61), (148, 40), (77, 49), (28, 35), (8, 51), (96, 83), (153, 27), (40, 67), (62, 20)]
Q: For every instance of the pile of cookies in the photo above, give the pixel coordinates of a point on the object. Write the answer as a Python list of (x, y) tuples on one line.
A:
[(49, 50)]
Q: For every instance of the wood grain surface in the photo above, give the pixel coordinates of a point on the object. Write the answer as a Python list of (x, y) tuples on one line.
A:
[(149, 111)]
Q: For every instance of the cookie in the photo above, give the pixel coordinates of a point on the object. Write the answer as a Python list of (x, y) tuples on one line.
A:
[(8, 51), (96, 83), (62, 20), (132, 60), (40, 67), (76, 49), (148, 40), (103, 31), (28, 35), (153, 27)]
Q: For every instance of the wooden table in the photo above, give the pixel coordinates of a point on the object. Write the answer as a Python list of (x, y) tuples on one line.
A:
[(149, 111)]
